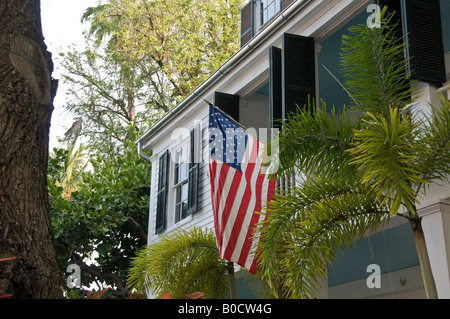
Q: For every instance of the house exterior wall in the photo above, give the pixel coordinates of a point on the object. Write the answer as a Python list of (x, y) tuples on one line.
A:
[(314, 18), (246, 74)]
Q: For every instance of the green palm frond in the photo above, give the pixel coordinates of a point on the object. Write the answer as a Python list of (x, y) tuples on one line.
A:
[(386, 153), (100, 26), (304, 231), (316, 141), (358, 172), (375, 68), (181, 262), (436, 139), (75, 164)]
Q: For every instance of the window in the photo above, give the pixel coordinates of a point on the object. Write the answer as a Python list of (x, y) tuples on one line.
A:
[(181, 182), (180, 199), (186, 175), (268, 9), (255, 14)]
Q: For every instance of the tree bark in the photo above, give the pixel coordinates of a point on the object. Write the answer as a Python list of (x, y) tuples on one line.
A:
[(422, 252), (26, 104)]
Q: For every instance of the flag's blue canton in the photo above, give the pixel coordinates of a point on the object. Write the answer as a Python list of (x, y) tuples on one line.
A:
[(227, 140)]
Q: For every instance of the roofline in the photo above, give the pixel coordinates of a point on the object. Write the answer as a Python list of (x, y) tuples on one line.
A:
[(249, 47)]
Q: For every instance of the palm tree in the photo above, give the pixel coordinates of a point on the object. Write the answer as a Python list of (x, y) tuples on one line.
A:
[(182, 262), (359, 171), (75, 164)]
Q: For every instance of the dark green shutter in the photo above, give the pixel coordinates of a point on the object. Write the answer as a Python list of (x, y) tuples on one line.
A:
[(247, 23), (424, 33), (194, 164), (420, 24), (298, 72), (292, 79), (228, 103), (161, 195), (275, 88)]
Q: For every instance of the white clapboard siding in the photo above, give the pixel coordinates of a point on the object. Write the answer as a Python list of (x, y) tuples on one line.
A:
[(204, 216)]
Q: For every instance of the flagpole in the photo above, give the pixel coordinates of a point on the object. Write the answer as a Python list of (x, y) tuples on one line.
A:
[(230, 267)]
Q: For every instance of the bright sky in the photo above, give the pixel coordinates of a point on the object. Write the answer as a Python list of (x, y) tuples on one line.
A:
[(62, 27)]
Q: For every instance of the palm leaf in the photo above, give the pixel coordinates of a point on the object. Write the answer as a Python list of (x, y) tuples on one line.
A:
[(375, 68), (316, 141), (386, 154), (303, 232), (180, 263), (435, 158)]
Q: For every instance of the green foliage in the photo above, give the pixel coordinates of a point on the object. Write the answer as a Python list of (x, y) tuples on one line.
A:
[(374, 67), (309, 224), (141, 59), (180, 41), (316, 141), (94, 223), (395, 138), (386, 153), (108, 95), (434, 160), (358, 172), (75, 162), (307, 227), (181, 262)]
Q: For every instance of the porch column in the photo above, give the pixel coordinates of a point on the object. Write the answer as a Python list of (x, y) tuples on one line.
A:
[(436, 226)]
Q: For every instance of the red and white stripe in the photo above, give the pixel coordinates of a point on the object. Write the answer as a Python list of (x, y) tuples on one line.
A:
[(237, 199)]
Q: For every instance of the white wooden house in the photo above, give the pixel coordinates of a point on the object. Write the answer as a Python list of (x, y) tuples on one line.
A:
[(288, 49)]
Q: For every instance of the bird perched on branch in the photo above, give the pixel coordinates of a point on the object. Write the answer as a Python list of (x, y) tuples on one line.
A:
[(74, 130)]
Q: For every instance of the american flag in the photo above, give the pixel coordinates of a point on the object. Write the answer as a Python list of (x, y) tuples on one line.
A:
[(240, 188)]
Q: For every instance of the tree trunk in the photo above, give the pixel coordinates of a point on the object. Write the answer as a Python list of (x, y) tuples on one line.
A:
[(422, 252), (26, 104)]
